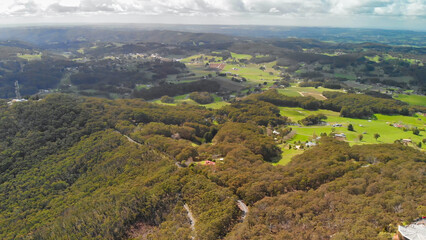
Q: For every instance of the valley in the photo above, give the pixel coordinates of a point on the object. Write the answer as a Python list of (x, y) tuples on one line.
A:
[(160, 134)]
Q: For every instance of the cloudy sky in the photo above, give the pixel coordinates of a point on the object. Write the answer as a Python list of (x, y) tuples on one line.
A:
[(389, 14)]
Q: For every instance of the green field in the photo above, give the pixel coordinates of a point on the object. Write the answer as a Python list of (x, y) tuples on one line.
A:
[(188, 59), (346, 76), (287, 155), (388, 134), (412, 99), (218, 102), (30, 57), (289, 92), (241, 56), (253, 73), (295, 91), (388, 57), (375, 59)]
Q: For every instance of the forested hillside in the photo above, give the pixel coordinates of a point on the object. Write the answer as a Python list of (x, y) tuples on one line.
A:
[(91, 168)]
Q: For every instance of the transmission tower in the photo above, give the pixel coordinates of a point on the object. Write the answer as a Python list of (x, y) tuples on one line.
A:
[(18, 95)]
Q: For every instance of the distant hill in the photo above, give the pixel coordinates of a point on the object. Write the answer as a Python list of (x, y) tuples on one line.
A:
[(44, 36)]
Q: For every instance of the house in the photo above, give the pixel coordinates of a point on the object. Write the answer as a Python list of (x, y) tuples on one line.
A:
[(341, 135), (16, 101), (209, 163), (310, 144), (176, 136), (406, 141)]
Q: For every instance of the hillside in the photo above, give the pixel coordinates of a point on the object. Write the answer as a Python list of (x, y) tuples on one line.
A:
[(124, 169), (108, 132)]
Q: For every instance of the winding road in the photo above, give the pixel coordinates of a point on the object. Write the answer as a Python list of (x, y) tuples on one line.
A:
[(190, 215), (243, 207), (191, 218)]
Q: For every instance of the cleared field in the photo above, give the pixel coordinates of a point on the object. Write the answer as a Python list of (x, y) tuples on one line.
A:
[(189, 59), (30, 57), (218, 103), (287, 155), (375, 59), (295, 91), (367, 128), (241, 56), (412, 99), (387, 57), (289, 92), (253, 73), (346, 76)]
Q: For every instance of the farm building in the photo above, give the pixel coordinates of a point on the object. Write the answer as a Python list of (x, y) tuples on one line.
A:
[(210, 163)]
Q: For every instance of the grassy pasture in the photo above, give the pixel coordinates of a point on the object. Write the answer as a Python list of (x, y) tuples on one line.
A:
[(287, 155), (412, 99), (30, 57), (241, 56), (188, 59), (218, 102), (253, 73), (367, 128), (388, 134), (295, 91)]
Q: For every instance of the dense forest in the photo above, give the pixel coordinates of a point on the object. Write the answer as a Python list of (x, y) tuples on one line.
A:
[(90, 168), (155, 134)]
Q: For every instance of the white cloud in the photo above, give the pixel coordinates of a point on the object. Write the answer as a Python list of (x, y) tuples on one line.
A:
[(231, 11), (229, 7), (274, 10)]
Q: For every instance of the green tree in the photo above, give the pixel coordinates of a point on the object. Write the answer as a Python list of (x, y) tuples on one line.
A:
[(416, 131), (167, 99), (350, 127), (376, 136), (360, 137)]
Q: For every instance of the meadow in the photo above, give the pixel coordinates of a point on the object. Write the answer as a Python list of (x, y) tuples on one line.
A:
[(412, 99), (381, 124), (366, 128), (30, 57), (218, 102)]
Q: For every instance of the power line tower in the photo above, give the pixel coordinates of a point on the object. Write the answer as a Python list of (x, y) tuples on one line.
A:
[(18, 95)]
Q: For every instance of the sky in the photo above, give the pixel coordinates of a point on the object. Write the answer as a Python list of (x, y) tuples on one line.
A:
[(386, 14)]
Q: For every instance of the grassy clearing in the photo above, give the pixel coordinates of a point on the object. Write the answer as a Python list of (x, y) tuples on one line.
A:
[(346, 76), (241, 56), (412, 99), (388, 57), (287, 155), (294, 91), (375, 59), (189, 59), (81, 50), (261, 56), (30, 57), (330, 54), (289, 92), (388, 134), (218, 103), (253, 73)]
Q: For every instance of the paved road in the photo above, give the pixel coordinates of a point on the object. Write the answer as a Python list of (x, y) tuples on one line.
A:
[(133, 141), (191, 218), (243, 207)]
